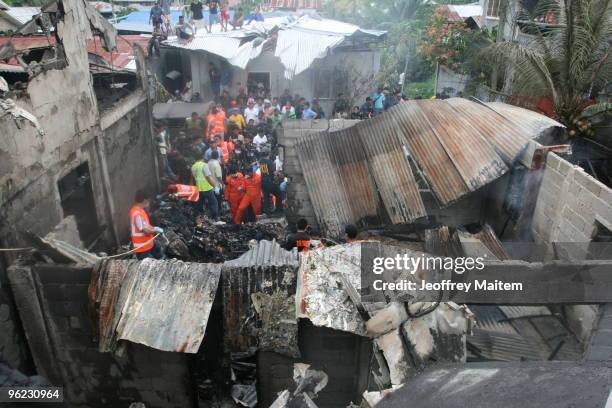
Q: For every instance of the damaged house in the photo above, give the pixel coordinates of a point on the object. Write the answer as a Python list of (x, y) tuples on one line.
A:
[(314, 57), (76, 139), (234, 319)]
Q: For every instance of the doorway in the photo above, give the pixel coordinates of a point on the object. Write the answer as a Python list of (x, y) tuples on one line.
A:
[(258, 82), (77, 199)]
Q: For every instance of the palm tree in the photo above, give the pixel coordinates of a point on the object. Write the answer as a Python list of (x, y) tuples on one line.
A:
[(567, 59)]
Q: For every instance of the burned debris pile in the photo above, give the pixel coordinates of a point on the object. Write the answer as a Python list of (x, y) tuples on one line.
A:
[(194, 237)]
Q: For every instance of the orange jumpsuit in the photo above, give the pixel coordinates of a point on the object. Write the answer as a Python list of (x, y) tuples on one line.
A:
[(234, 183), (251, 198), (227, 148)]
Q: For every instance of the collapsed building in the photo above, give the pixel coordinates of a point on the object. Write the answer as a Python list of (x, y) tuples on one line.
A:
[(314, 57), (76, 138), (252, 323)]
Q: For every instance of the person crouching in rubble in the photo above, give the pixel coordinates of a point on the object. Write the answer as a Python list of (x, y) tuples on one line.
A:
[(252, 196), (234, 189), (143, 233), (207, 187)]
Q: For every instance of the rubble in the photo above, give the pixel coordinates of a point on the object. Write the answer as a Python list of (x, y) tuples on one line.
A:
[(309, 383), (194, 237)]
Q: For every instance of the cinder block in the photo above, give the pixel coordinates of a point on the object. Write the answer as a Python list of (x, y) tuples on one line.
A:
[(552, 161), (564, 167), (603, 210)]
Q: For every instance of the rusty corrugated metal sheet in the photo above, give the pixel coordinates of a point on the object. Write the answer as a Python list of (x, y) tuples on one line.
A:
[(488, 237), (266, 268), (428, 152), (457, 145), (530, 122), (161, 304), (391, 170), (506, 138), (339, 184)]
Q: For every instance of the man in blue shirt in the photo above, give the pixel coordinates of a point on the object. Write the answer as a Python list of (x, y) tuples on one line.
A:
[(379, 100), (155, 16), (214, 145), (308, 113)]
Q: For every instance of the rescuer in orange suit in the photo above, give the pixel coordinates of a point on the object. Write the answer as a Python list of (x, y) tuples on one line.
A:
[(252, 195), (234, 189)]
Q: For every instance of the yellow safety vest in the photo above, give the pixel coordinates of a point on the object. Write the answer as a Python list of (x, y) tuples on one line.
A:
[(198, 174)]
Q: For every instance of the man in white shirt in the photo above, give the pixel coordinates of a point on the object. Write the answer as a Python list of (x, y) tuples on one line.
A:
[(259, 140), (251, 111)]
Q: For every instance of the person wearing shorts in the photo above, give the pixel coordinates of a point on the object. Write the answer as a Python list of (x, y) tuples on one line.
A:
[(225, 17), (213, 13), (197, 15)]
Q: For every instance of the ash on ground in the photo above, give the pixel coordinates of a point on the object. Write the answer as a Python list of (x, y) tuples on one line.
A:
[(191, 236)]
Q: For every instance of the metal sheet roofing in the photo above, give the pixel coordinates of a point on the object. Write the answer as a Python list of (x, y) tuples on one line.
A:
[(300, 41), (23, 14), (456, 146), (265, 253), (336, 172), (162, 304)]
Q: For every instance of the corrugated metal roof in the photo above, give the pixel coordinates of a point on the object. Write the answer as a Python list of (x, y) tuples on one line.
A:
[(336, 172), (391, 170), (300, 40), (23, 14), (457, 145), (265, 253), (162, 304)]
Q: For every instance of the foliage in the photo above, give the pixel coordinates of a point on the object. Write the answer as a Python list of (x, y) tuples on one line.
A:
[(420, 90), (450, 43), (567, 59)]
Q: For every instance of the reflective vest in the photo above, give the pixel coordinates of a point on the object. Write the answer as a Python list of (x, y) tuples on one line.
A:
[(227, 148), (198, 174), (141, 241), (190, 193)]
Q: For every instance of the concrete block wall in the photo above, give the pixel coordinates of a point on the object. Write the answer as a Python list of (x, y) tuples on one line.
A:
[(570, 204)]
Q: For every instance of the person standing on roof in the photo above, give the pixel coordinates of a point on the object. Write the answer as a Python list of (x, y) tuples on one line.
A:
[(213, 14), (155, 15), (300, 239), (224, 16), (142, 232), (197, 15), (207, 188), (252, 197)]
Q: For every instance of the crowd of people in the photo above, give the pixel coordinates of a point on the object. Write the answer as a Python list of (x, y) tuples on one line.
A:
[(226, 159), (192, 18)]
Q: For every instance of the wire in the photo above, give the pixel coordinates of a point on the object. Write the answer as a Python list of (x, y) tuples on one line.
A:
[(131, 250), (105, 257)]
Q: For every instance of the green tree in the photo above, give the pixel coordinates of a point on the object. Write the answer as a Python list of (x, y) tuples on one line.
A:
[(567, 59)]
